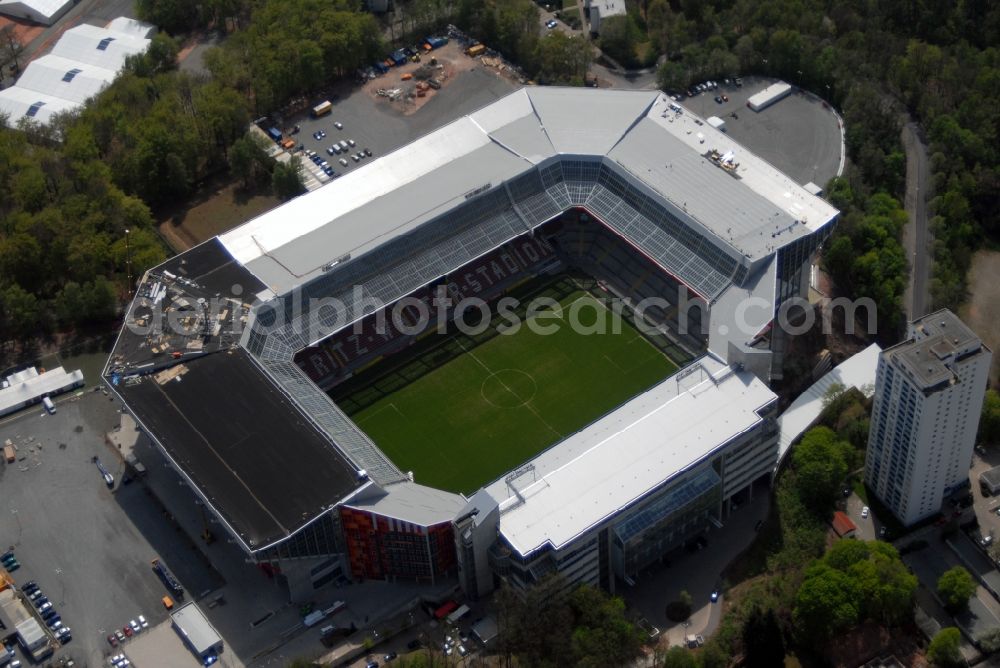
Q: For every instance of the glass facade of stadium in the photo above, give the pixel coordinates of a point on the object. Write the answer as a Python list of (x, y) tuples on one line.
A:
[(668, 519)]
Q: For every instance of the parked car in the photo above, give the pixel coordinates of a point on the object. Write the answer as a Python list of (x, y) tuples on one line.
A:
[(64, 635), (127, 630), (368, 152), (119, 635), (143, 623), (715, 596), (344, 162), (329, 151), (550, 24), (355, 157), (338, 125), (864, 513), (112, 640), (135, 626), (351, 142)]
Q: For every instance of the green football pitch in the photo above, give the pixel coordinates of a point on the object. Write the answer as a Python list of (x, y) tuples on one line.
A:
[(497, 404)]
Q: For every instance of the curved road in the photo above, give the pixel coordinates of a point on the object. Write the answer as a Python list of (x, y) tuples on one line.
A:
[(916, 236)]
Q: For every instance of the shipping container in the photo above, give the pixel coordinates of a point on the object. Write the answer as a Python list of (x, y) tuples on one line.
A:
[(322, 109), (769, 96), (274, 133), (476, 50)]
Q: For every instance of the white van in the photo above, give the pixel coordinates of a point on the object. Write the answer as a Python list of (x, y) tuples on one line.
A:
[(49, 406)]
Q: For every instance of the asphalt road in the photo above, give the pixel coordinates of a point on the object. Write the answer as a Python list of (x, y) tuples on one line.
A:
[(916, 236)]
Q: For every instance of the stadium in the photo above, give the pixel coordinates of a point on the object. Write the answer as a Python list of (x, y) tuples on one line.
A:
[(288, 371)]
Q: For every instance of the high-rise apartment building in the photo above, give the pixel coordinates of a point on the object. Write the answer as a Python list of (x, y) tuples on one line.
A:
[(928, 398)]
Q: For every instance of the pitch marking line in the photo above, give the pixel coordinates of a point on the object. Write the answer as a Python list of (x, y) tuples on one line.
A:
[(527, 405)]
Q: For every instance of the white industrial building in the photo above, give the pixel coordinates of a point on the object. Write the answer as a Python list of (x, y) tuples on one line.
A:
[(197, 632), (84, 61), (928, 399), (27, 387), (599, 10), (45, 12)]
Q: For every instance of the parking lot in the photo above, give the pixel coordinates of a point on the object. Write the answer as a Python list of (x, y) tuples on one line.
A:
[(88, 547), (382, 125), (799, 134)]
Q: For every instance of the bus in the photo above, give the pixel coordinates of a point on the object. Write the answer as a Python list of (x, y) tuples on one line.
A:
[(322, 109)]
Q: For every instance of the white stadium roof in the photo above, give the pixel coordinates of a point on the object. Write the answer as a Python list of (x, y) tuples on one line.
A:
[(409, 502), (82, 63), (747, 211), (625, 455), (42, 11), (857, 371)]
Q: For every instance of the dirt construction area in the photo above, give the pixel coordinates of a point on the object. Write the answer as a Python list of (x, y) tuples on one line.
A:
[(982, 310), (409, 87)]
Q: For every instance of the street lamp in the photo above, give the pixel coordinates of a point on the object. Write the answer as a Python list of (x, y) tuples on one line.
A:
[(128, 263)]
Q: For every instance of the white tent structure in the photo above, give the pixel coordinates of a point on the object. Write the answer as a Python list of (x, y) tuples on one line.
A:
[(102, 47), (82, 63), (65, 78), (45, 12), (132, 27), (17, 103)]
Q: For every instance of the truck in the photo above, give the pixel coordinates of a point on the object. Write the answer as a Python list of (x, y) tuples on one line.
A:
[(49, 406), (322, 109), (316, 616), (274, 133), (169, 580)]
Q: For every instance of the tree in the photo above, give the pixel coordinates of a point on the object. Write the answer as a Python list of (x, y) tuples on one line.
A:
[(763, 644), (619, 35), (989, 422), (820, 467), (713, 656), (826, 603), (678, 657), (603, 636), (11, 48), (955, 587), (943, 651), (20, 311), (286, 179), (248, 159), (563, 59)]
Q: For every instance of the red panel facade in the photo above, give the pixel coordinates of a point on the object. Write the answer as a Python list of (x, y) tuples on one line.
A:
[(383, 547)]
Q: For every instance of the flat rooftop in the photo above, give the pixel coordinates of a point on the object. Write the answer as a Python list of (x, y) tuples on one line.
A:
[(935, 342), (591, 475), (256, 458), (192, 624)]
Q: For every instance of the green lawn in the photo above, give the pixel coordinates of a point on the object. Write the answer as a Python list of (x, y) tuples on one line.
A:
[(486, 411)]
